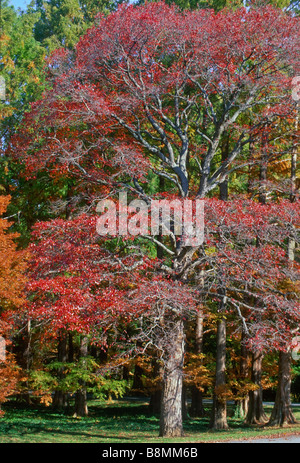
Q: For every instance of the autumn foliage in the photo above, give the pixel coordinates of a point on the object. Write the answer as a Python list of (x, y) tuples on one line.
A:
[(12, 297), (163, 104)]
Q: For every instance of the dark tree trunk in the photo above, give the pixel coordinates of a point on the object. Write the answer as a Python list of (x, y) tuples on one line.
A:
[(219, 408), (155, 402), (81, 408), (197, 408), (171, 402), (282, 412), (155, 398), (137, 385), (256, 413), (60, 400)]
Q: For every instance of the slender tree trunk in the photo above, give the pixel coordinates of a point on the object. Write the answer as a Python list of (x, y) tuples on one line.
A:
[(294, 159), (60, 397), (218, 419), (242, 404), (256, 414), (197, 408), (282, 412), (28, 356), (219, 407), (81, 408), (263, 172), (185, 413), (171, 403)]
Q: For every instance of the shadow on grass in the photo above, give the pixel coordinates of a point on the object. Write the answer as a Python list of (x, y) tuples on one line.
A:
[(121, 421)]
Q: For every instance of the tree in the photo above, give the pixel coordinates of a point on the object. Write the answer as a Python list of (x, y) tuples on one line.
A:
[(75, 287), (12, 284), (159, 97), (63, 22)]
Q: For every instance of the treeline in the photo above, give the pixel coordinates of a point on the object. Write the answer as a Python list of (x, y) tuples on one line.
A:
[(159, 101)]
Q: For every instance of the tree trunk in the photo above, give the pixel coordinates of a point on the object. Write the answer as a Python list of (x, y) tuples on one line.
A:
[(256, 414), (81, 408), (218, 419), (263, 171), (137, 385), (155, 398), (171, 401), (197, 408), (282, 412), (294, 159), (219, 408), (243, 403), (60, 397), (185, 413), (155, 402)]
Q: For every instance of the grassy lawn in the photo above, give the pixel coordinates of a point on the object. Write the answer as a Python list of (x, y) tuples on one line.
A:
[(119, 422)]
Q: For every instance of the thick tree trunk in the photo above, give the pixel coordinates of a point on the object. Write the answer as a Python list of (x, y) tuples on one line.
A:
[(197, 408), (282, 412), (171, 401), (81, 408), (219, 408), (256, 414)]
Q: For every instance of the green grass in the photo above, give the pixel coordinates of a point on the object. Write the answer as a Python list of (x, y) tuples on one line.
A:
[(119, 422)]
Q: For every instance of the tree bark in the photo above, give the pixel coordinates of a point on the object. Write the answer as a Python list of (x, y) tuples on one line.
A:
[(218, 419), (219, 408), (155, 402), (256, 414), (282, 412), (60, 401), (243, 403), (171, 400), (294, 159), (155, 398), (81, 408)]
